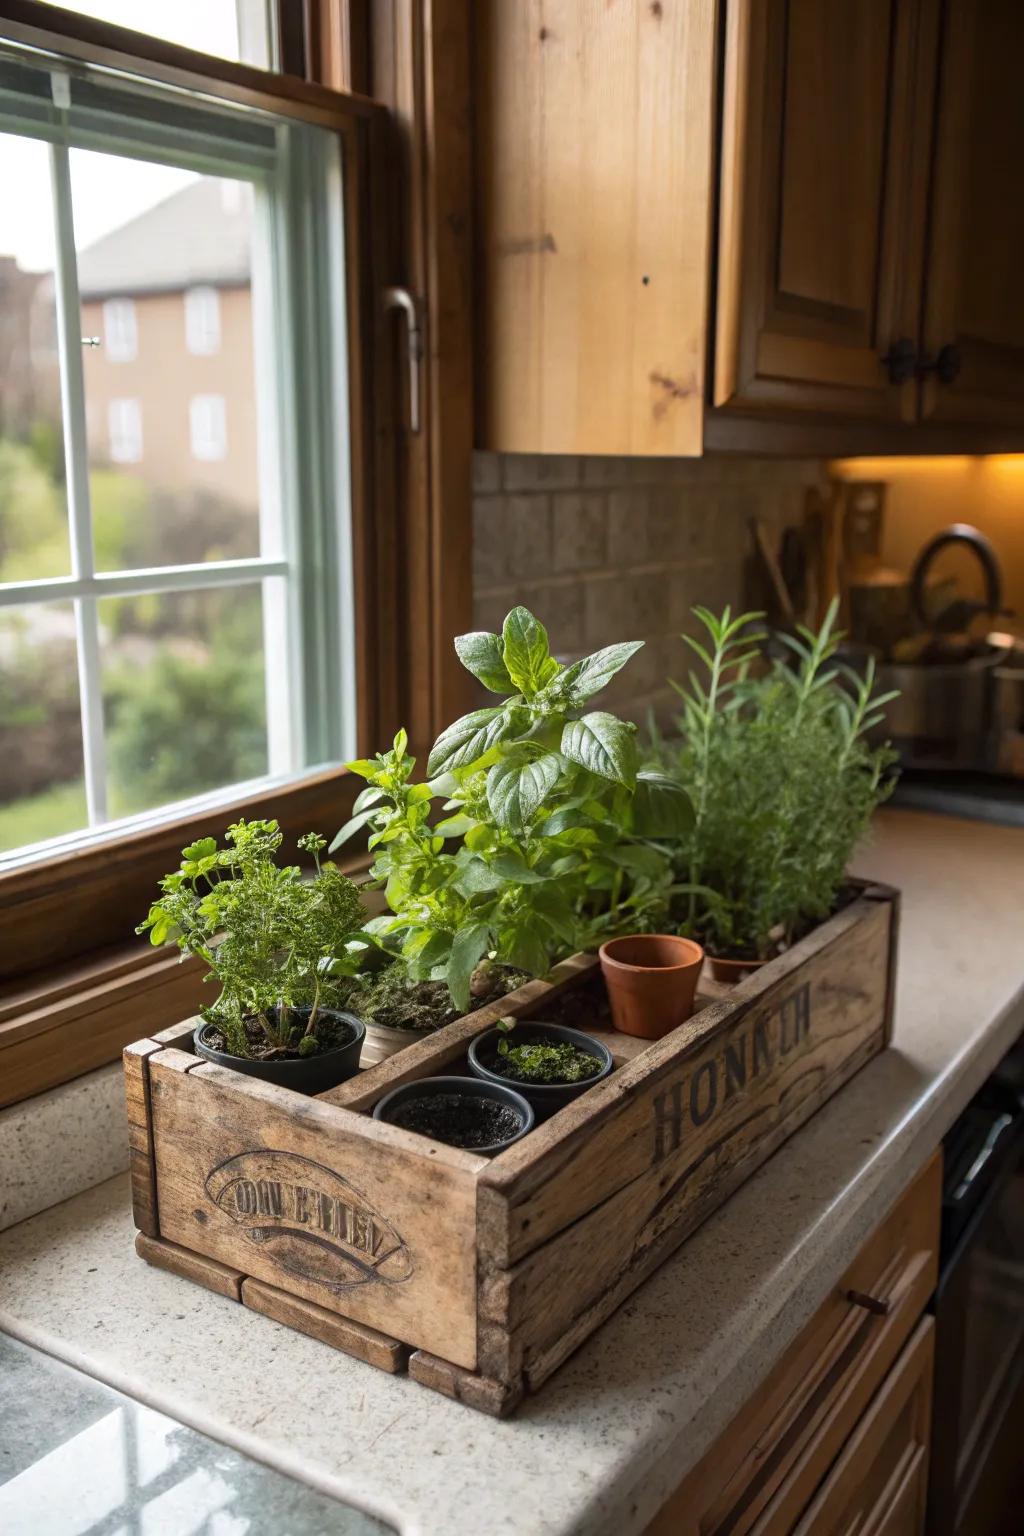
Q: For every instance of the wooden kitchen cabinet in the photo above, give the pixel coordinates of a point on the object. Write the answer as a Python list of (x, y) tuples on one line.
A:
[(871, 228), (837, 1437), (974, 302), (826, 119)]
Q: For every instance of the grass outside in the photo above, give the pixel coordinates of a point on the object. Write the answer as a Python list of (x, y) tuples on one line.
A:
[(49, 814)]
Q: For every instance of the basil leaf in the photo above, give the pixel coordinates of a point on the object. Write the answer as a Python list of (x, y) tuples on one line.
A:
[(592, 673), (351, 826), (480, 653), (661, 806), (603, 745), (467, 947), (515, 789), (469, 738), (525, 652)]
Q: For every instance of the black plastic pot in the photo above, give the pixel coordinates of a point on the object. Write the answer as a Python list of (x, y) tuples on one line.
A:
[(546, 1098), (307, 1074), (460, 1087)]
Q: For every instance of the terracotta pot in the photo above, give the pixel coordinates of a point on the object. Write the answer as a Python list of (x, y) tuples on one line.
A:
[(732, 971), (651, 980)]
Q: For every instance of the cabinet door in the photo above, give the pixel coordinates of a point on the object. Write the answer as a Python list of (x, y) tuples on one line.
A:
[(975, 274), (879, 1485), (827, 109)]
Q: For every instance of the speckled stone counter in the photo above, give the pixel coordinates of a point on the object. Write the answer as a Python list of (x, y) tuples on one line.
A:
[(602, 1445)]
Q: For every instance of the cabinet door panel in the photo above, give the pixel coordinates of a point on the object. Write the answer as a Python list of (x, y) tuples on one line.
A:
[(975, 275), (826, 117)]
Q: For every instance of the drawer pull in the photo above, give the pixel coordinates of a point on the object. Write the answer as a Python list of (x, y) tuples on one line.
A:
[(881, 1306)]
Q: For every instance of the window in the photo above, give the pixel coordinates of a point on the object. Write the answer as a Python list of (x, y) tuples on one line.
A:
[(148, 562), (231, 29), (120, 336), (202, 310), (125, 426), (208, 427)]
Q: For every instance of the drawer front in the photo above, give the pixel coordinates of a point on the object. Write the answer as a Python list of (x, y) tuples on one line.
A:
[(765, 1468), (878, 1487)]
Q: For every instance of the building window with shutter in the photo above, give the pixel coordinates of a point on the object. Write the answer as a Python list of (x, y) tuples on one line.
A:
[(120, 333), (124, 426), (208, 427), (202, 321)]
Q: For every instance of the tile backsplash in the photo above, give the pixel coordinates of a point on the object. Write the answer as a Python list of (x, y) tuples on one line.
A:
[(606, 549)]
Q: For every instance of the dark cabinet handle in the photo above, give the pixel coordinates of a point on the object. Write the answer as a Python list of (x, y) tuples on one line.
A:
[(881, 1306), (900, 360), (945, 364)]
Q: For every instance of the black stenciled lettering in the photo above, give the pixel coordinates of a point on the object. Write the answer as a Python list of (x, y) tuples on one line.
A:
[(668, 1122), (736, 1066), (706, 1072)]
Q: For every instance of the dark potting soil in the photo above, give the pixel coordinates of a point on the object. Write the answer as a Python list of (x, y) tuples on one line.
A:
[(330, 1032), (583, 1008), (461, 1120)]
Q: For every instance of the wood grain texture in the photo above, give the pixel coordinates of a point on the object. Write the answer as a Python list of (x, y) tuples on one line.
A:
[(664, 1142), (974, 298), (355, 1339), (593, 127), (880, 1482), (766, 1466), (140, 1135), (825, 135), (189, 1265), (357, 1216), (494, 1397)]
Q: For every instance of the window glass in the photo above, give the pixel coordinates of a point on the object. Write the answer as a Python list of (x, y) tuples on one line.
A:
[(33, 501), (183, 694), (42, 790), (231, 29), (173, 453), (170, 487)]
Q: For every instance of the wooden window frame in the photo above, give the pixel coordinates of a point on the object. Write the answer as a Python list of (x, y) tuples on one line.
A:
[(75, 985)]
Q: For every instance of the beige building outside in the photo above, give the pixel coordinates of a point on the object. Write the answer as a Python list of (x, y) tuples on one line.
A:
[(168, 346)]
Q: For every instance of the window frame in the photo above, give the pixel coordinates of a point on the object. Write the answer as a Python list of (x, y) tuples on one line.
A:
[(60, 908), (303, 569)]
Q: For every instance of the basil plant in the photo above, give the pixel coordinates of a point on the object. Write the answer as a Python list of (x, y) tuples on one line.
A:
[(550, 836)]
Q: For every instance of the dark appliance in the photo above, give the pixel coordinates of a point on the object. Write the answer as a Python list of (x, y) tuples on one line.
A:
[(976, 1478)]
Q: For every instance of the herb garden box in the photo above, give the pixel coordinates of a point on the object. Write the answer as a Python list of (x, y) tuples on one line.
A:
[(481, 1276)]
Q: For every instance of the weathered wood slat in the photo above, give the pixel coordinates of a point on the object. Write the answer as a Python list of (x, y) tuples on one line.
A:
[(140, 1135), (357, 1216), (670, 1149), (497, 1398), (695, 1090), (356, 1339), (190, 1265)]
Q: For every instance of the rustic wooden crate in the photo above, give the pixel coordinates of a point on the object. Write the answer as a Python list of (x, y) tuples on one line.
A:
[(481, 1276)]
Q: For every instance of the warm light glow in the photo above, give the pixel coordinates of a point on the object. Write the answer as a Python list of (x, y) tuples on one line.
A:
[(925, 494)]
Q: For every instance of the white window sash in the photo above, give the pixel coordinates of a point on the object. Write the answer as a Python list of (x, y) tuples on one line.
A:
[(202, 321), (120, 331)]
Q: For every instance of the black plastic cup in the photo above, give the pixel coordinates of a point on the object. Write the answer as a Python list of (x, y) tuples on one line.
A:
[(464, 1087), (546, 1098), (306, 1074)]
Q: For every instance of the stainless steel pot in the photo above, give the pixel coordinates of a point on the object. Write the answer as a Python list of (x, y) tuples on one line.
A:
[(945, 714)]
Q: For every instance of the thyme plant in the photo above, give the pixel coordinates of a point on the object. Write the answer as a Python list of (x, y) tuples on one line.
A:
[(276, 942), (784, 783), (551, 836)]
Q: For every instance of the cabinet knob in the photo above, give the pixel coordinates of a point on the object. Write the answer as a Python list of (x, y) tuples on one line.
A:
[(901, 361), (945, 364)]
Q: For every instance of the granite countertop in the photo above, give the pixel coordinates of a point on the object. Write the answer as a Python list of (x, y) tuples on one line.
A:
[(607, 1439)]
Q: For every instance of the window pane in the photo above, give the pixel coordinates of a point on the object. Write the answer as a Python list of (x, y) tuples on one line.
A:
[(183, 694), (42, 792), (210, 26), (33, 505), (169, 389)]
